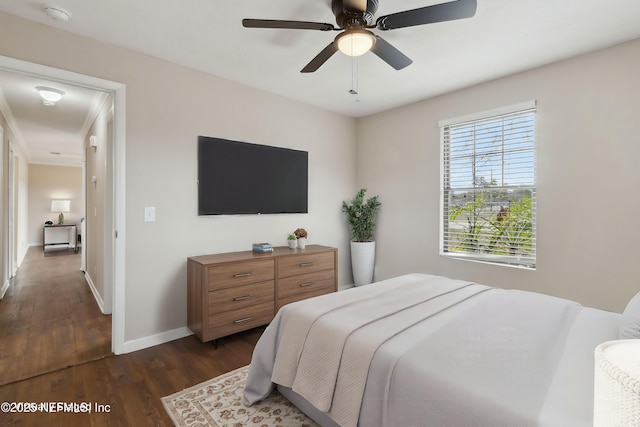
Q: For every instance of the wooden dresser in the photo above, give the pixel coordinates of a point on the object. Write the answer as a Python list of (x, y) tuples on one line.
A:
[(233, 292)]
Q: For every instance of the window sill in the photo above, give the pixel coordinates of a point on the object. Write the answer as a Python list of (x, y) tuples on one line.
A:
[(524, 263)]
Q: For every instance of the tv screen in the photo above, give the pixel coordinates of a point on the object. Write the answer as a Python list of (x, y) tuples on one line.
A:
[(241, 178)]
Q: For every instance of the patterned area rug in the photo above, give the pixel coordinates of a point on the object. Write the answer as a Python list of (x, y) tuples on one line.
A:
[(218, 403)]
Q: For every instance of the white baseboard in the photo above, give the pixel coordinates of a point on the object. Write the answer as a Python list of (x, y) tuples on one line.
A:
[(96, 294), (4, 289), (145, 342), (157, 339)]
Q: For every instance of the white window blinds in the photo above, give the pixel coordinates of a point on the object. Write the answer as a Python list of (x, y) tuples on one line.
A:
[(489, 188)]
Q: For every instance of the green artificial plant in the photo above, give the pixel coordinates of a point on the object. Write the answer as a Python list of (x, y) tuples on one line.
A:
[(361, 214)]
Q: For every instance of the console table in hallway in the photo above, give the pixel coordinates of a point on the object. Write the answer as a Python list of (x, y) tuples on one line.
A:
[(60, 234)]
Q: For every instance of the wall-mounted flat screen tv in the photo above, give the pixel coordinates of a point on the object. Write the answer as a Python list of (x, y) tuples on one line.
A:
[(242, 178)]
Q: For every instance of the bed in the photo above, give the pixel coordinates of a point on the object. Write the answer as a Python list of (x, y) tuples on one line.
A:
[(424, 350)]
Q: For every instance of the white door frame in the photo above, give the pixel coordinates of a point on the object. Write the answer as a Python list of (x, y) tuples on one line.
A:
[(4, 262), (118, 229), (11, 210), (83, 218)]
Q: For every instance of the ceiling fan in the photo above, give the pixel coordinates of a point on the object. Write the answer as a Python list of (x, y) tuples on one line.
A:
[(355, 19)]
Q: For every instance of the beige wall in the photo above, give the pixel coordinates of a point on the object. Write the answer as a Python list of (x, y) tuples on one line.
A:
[(47, 183), (588, 147), (98, 214), (20, 197), (167, 107), (21, 204)]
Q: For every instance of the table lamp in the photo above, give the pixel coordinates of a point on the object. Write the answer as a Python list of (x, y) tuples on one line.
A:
[(60, 206)]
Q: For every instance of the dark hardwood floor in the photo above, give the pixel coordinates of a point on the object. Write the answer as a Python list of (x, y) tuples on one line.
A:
[(54, 338), (49, 318), (129, 385)]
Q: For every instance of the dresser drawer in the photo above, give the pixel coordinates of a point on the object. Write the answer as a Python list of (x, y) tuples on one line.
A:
[(227, 323), (240, 297), (239, 273), (301, 264), (315, 292), (305, 283)]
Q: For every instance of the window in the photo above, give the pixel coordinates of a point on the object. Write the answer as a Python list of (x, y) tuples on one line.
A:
[(489, 186)]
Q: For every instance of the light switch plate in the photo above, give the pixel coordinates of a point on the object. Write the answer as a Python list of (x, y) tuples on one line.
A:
[(149, 214)]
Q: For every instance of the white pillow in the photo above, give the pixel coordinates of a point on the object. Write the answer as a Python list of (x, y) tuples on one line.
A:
[(630, 319)]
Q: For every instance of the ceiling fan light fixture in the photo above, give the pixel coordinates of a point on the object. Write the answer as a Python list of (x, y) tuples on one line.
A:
[(355, 42), (49, 95)]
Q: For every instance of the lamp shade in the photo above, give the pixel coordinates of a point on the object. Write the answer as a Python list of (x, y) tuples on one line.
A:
[(617, 384), (60, 205)]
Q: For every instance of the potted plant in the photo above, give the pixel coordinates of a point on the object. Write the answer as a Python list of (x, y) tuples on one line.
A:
[(361, 215), (292, 241), (301, 235)]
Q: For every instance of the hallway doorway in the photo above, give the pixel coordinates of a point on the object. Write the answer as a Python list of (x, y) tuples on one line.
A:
[(109, 234)]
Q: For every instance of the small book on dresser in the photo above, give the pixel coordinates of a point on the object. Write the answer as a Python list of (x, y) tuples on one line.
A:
[(262, 247)]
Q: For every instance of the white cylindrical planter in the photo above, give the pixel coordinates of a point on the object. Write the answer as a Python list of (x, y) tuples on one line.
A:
[(363, 255), (302, 242)]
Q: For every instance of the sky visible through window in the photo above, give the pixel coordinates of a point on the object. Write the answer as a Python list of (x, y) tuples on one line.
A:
[(494, 152)]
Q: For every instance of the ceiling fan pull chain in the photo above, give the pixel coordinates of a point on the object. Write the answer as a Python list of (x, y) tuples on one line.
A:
[(354, 76)]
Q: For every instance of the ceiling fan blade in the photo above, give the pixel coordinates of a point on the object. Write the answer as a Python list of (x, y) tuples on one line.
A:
[(291, 25), (459, 9), (320, 59), (390, 54)]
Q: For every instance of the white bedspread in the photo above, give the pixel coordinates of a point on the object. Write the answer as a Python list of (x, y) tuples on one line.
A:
[(325, 358), (453, 353)]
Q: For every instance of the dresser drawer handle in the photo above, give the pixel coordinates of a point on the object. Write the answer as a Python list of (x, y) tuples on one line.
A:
[(306, 284), (242, 298), (242, 274), (244, 319), (306, 264)]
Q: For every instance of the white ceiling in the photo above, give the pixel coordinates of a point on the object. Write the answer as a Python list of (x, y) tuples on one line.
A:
[(48, 134), (505, 37)]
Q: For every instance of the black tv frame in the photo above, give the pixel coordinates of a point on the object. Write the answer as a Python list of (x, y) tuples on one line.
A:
[(236, 178)]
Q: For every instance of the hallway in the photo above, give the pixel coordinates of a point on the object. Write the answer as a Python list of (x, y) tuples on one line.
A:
[(49, 318)]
